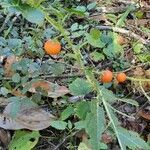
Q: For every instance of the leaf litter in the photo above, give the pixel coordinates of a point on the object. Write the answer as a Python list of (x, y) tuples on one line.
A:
[(32, 118)]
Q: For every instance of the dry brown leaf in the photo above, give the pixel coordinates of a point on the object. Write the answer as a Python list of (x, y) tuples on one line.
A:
[(145, 114), (8, 65), (17, 92), (139, 72), (139, 22), (27, 118), (8, 123), (4, 138), (147, 73), (52, 89)]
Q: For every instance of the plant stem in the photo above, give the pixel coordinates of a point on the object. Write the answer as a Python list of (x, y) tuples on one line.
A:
[(138, 79)]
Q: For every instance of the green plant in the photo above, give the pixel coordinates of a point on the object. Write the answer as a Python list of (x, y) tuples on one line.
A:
[(125, 138), (95, 116)]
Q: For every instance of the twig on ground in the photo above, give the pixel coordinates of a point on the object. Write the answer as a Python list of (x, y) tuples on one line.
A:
[(58, 146), (132, 67), (127, 2), (113, 10), (126, 32), (63, 76)]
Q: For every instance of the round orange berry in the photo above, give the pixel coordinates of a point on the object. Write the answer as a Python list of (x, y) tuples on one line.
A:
[(107, 76), (121, 77), (52, 47)]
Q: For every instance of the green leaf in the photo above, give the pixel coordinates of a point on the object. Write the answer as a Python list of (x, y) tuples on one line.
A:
[(138, 48), (74, 26), (14, 43), (96, 56), (24, 140), (34, 15), (144, 57), (95, 124), (124, 16), (4, 91), (67, 113), (113, 49), (16, 78), (69, 124), (139, 14), (81, 8), (57, 68), (80, 125), (60, 125), (94, 38), (83, 146), (114, 121), (33, 3), (132, 140), (82, 108), (91, 6), (80, 87), (95, 33), (108, 95), (17, 103)]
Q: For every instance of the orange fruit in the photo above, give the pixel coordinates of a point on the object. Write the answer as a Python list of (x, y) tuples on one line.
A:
[(121, 77), (107, 76), (52, 47)]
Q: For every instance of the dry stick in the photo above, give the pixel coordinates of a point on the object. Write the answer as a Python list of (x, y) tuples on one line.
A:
[(146, 34), (126, 2), (53, 76), (58, 146), (111, 10), (132, 67), (63, 76), (124, 31)]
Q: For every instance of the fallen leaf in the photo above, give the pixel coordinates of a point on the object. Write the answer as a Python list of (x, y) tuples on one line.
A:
[(17, 92), (32, 118), (145, 113), (4, 138), (8, 65), (147, 73), (53, 90), (9, 123), (139, 22), (140, 73)]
